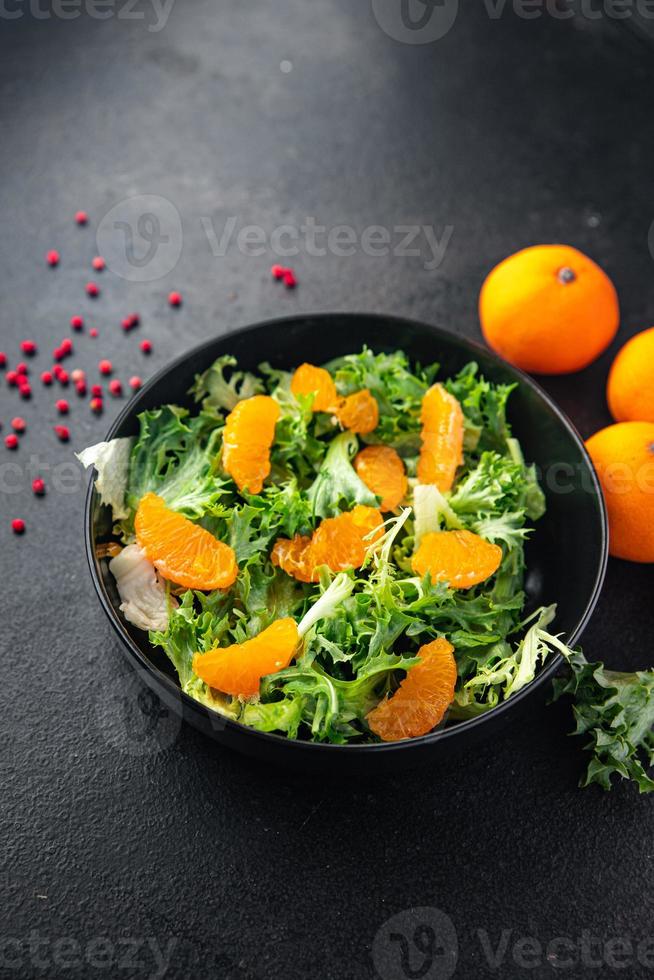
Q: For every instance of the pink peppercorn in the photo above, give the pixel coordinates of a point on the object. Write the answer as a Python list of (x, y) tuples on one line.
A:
[(92, 289), (66, 345), (25, 391), (77, 374), (62, 432), (115, 387), (12, 378), (11, 441), (80, 387), (22, 368), (52, 257), (105, 367), (135, 382), (28, 347), (3, 359), (98, 263), (277, 271), (62, 406), (96, 391), (289, 279), (175, 298), (77, 322), (47, 377), (93, 332), (62, 377), (38, 486), (81, 217), (18, 525), (18, 424), (58, 354), (96, 405), (146, 346)]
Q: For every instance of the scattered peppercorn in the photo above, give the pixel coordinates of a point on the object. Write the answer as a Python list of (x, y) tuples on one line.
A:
[(18, 424), (80, 387), (289, 279), (98, 263), (62, 432), (96, 405), (62, 406), (77, 322), (92, 289), (277, 271), (175, 298), (66, 345), (3, 359), (146, 346), (18, 525), (62, 377), (11, 441), (135, 382), (81, 217), (25, 391), (28, 347), (52, 257), (22, 368), (47, 377), (105, 367), (12, 378), (38, 486), (96, 391), (77, 374), (93, 332), (115, 387)]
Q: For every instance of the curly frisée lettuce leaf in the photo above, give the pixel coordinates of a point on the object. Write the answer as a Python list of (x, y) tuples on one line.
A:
[(111, 461), (615, 710), (216, 392), (176, 456), (337, 482)]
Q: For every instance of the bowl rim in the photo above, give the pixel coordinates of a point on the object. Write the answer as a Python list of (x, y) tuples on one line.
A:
[(189, 705)]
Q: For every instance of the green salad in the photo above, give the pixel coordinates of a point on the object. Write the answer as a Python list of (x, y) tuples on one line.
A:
[(360, 629)]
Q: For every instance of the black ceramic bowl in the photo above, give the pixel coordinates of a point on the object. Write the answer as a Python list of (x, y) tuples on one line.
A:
[(566, 557)]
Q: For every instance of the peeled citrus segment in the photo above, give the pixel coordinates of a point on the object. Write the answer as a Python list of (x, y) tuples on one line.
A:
[(180, 550), (238, 669), (422, 698), (358, 412), (340, 542), (311, 380), (292, 555), (461, 558), (382, 471), (442, 438), (248, 436)]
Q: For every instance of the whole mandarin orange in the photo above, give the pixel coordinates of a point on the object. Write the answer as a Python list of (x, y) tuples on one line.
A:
[(549, 309), (623, 457), (630, 389)]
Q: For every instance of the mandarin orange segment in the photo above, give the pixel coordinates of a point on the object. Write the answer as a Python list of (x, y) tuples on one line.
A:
[(340, 542), (423, 697), (311, 380), (292, 556), (460, 558), (238, 669), (442, 438), (180, 550), (358, 412), (382, 471), (248, 436)]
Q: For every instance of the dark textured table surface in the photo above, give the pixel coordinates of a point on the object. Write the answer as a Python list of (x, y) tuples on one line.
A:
[(131, 843)]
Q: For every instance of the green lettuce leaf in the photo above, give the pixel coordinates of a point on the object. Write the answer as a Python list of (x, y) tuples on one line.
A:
[(337, 486)]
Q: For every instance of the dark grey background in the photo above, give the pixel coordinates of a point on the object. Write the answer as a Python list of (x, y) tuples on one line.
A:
[(116, 822)]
